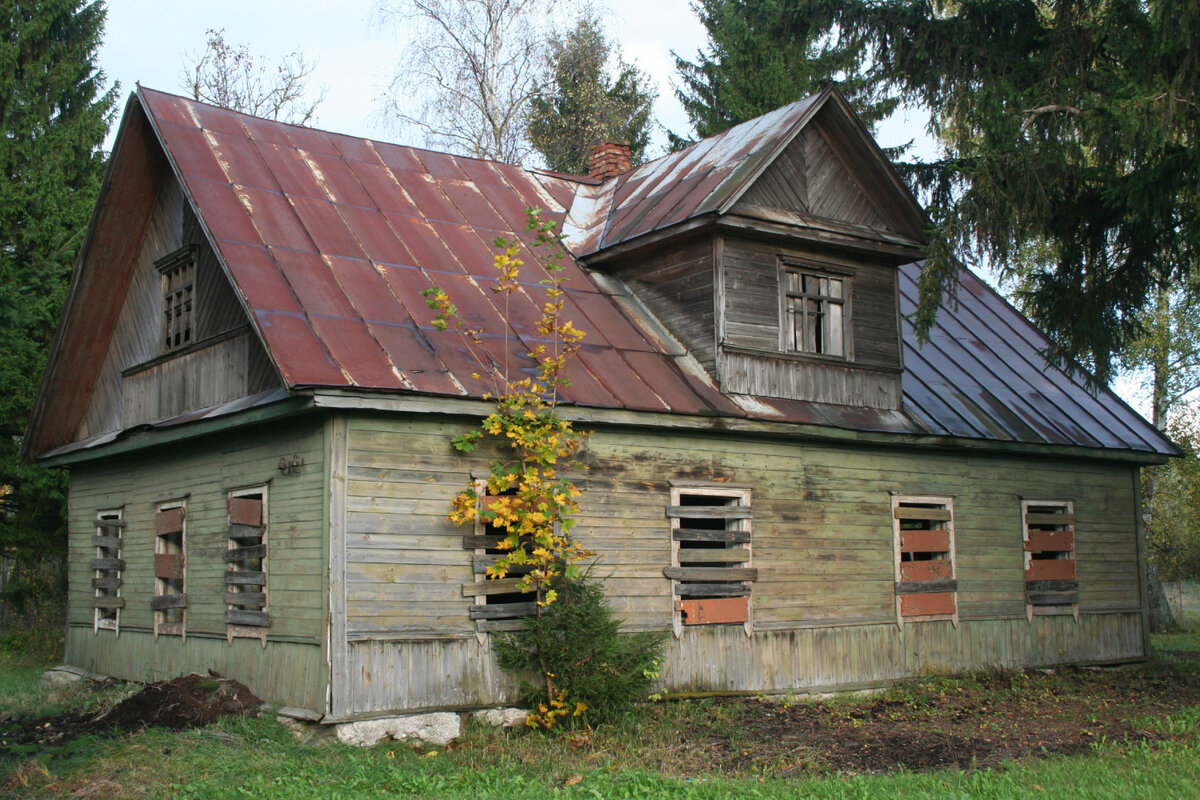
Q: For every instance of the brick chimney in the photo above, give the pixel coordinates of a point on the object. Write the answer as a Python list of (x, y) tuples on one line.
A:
[(609, 159)]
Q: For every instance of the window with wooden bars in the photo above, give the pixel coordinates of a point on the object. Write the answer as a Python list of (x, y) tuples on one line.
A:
[(711, 573), (1051, 583), (926, 577), (499, 604), (107, 567), (169, 603), (815, 312), (178, 270), (246, 609)]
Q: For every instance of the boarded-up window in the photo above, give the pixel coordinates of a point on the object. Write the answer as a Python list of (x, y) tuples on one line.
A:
[(815, 312), (710, 568), (1051, 583), (246, 613), (107, 566), (178, 271), (926, 579), (170, 595), (499, 604)]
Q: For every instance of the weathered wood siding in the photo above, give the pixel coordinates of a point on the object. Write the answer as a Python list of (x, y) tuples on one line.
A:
[(194, 379), (823, 604), (750, 361), (292, 667), (677, 285)]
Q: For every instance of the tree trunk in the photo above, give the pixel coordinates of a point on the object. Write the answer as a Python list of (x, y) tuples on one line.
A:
[(1162, 618)]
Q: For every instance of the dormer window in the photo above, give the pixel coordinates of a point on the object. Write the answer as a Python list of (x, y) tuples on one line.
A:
[(178, 270), (814, 307)]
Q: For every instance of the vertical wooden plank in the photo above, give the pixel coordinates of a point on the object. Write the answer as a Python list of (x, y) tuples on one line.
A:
[(336, 435)]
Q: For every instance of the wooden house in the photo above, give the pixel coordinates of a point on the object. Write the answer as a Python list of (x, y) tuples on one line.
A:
[(255, 411)]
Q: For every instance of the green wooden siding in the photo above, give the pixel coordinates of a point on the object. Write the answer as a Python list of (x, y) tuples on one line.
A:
[(823, 604), (202, 473)]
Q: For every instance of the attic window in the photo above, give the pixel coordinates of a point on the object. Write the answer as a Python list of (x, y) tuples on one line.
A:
[(926, 579), (178, 271), (814, 309), (710, 568), (1051, 583)]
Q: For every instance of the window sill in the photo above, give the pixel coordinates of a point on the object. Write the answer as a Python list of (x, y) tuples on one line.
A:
[(810, 358), (182, 351)]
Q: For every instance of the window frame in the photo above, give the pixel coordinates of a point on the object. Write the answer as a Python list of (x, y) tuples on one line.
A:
[(242, 621), (1046, 586), (163, 588), (722, 609), (108, 520), (496, 618), (934, 588), (178, 300), (787, 312)]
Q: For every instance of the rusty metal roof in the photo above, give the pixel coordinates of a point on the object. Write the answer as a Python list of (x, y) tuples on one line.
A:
[(330, 240)]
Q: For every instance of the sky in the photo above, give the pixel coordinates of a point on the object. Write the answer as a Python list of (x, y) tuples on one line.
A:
[(152, 41)]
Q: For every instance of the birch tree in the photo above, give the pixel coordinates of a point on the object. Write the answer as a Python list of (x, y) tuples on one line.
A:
[(467, 77)]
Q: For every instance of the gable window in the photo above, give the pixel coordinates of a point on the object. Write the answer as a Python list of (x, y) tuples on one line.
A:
[(1051, 583), (499, 603), (926, 578), (246, 612), (178, 270), (107, 567), (170, 598), (710, 568), (814, 311)]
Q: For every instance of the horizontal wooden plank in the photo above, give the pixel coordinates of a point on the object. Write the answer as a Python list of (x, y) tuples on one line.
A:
[(502, 586), (110, 524), (168, 601), (931, 514), (704, 535), (941, 569), (921, 605), (1051, 586), (1049, 519), (168, 566), (706, 555), (503, 610), (709, 512), (246, 599), (499, 625), (242, 532), (924, 541), (108, 583), (1050, 569), (168, 521), (711, 574), (250, 619), (247, 578), (1051, 541), (240, 554), (107, 563), (712, 590), (925, 587), (108, 602), (480, 563), (107, 542), (481, 542), (1052, 598)]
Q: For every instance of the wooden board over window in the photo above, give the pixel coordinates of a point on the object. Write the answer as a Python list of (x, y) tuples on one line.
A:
[(926, 573), (711, 573), (169, 604), (1051, 580), (246, 598), (108, 566)]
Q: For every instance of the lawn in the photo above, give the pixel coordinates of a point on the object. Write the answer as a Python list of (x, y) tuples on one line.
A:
[(1128, 732)]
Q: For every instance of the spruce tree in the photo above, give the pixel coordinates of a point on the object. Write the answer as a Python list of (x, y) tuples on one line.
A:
[(1071, 150), (585, 104), (763, 54), (54, 114)]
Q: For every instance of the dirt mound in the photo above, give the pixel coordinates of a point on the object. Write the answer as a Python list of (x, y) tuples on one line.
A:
[(191, 701)]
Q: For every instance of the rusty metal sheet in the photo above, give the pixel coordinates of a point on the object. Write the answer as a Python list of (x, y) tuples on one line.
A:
[(290, 170), (621, 381), (325, 227), (223, 211), (472, 252), (714, 610), (313, 282), (367, 290), (238, 156), (260, 281), (603, 317), (360, 357), (299, 354), (423, 242), (193, 154), (277, 223), (338, 181), (264, 131), (658, 372), (477, 211), (413, 355), (311, 140), (442, 165), (398, 157), (374, 235), (353, 149), (386, 194), (428, 197)]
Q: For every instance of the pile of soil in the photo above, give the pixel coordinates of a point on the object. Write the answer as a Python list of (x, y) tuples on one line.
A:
[(191, 701), (964, 724)]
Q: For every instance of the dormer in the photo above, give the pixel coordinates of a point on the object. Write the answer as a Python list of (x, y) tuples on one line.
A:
[(770, 252)]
